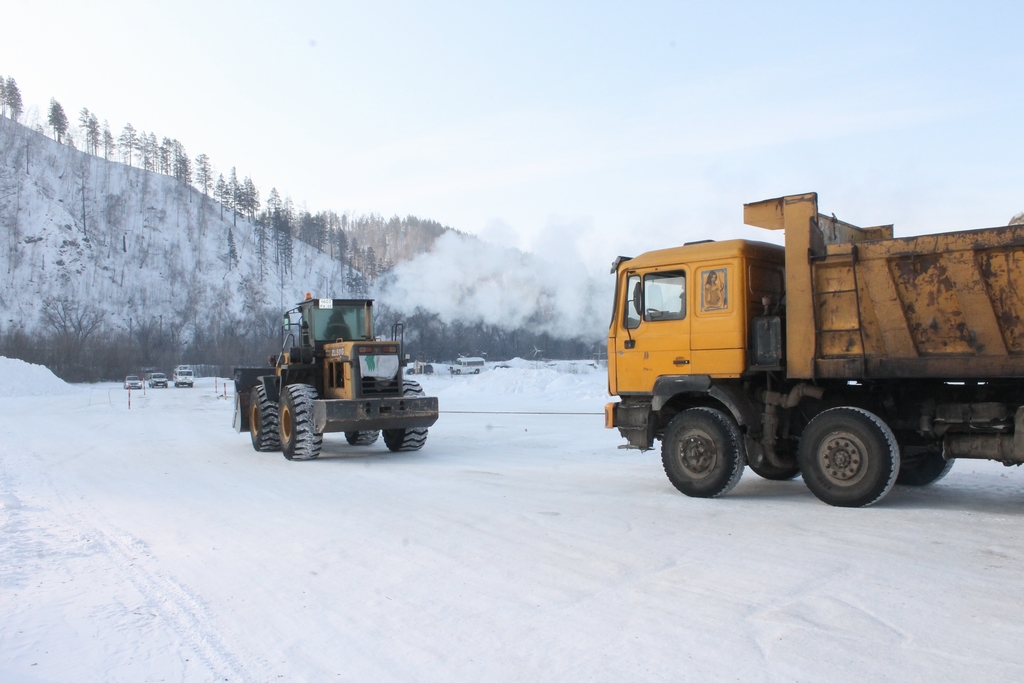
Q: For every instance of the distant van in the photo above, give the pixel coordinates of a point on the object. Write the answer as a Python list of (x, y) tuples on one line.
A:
[(471, 365)]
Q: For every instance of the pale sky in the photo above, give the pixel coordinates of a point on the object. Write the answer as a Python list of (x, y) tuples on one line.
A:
[(612, 127)]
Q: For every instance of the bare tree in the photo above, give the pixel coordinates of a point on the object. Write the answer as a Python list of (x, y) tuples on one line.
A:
[(70, 321)]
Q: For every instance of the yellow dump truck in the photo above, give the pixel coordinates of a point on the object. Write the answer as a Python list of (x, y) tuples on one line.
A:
[(851, 357)]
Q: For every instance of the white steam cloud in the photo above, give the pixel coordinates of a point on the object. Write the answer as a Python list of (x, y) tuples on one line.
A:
[(465, 279)]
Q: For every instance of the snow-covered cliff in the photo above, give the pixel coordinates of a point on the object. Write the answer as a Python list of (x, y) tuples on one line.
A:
[(138, 245)]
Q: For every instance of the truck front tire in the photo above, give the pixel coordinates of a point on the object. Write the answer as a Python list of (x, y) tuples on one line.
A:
[(849, 457), (263, 428), (702, 453), (298, 439)]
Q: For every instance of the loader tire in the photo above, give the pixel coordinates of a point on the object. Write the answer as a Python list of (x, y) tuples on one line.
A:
[(703, 453), (263, 427), (848, 457), (362, 438), (411, 439), (299, 441)]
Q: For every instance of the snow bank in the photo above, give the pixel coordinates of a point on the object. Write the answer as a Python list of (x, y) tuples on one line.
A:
[(18, 378)]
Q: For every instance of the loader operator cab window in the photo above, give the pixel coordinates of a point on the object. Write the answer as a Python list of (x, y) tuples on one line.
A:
[(341, 322)]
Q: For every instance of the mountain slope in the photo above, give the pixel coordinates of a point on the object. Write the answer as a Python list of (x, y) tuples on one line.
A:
[(142, 247)]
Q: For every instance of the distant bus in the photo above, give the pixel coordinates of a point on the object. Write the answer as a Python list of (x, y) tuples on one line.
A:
[(470, 364)]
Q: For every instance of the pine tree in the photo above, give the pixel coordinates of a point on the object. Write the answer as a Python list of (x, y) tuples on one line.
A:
[(203, 173), (166, 155), (13, 96), (127, 141), (145, 152), (182, 165), (3, 97), (233, 195), (232, 250), (252, 196), (108, 140), (58, 120), (92, 134), (219, 192)]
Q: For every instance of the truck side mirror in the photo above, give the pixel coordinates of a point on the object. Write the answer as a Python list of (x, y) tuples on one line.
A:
[(638, 299)]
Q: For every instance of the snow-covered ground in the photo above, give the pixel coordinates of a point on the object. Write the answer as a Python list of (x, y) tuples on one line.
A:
[(154, 544)]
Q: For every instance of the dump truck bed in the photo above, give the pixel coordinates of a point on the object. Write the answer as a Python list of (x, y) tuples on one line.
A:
[(946, 306)]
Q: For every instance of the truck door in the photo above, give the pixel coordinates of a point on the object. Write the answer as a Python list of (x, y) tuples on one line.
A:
[(654, 334)]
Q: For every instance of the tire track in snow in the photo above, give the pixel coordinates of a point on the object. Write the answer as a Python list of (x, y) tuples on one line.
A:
[(177, 606), (181, 609)]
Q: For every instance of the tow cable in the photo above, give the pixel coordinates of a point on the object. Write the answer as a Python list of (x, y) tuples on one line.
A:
[(507, 412)]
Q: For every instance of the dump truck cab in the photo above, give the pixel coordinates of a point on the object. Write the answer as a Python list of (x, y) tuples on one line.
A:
[(688, 311)]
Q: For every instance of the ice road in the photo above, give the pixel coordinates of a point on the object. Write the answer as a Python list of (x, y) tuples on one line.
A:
[(154, 544)]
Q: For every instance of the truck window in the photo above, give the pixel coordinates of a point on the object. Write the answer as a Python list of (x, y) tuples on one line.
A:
[(665, 296), (634, 302)]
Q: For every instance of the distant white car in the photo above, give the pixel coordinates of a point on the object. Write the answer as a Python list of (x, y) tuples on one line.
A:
[(183, 378), (132, 382), (468, 365)]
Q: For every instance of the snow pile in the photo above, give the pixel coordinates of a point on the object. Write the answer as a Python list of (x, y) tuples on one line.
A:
[(18, 378)]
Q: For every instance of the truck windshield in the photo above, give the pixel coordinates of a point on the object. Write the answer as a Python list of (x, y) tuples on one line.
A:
[(341, 322)]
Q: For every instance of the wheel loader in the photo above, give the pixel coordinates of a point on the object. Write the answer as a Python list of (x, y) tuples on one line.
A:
[(332, 375)]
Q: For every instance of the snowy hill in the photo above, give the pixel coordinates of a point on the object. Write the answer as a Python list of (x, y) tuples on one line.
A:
[(143, 247)]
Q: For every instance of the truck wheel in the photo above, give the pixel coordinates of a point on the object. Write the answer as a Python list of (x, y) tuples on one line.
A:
[(766, 470), (362, 438), (848, 457), (263, 421), (298, 440), (702, 454), (407, 439), (924, 469)]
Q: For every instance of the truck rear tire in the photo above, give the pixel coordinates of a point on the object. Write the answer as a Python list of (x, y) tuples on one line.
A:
[(298, 439), (702, 453), (407, 439), (849, 457), (923, 469), (362, 438), (263, 427)]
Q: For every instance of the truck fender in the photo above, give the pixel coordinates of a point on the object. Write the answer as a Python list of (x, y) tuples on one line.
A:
[(731, 397)]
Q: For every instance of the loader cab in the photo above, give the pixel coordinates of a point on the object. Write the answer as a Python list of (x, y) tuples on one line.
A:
[(330, 345), (319, 321), (688, 311)]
